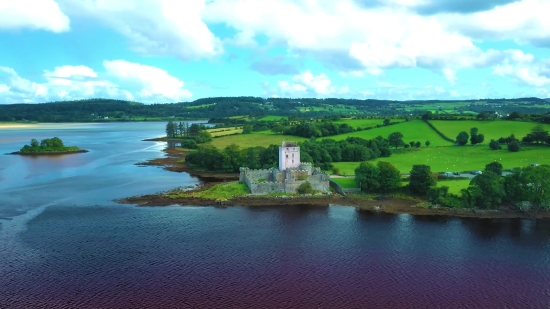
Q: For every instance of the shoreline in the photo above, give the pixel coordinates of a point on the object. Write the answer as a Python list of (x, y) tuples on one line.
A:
[(172, 162), (47, 153)]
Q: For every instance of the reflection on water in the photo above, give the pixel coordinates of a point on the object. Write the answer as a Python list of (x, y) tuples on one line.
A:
[(64, 244)]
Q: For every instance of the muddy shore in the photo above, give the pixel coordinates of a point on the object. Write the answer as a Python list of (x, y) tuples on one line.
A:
[(173, 161)]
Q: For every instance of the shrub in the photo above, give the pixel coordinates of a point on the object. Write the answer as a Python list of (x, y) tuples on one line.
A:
[(305, 188)]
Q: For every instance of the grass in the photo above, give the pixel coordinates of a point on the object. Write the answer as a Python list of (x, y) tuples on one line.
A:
[(363, 123), (226, 190), (455, 185), (459, 158), (264, 139), (224, 131), (490, 129), (346, 182), (272, 118), (416, 130)]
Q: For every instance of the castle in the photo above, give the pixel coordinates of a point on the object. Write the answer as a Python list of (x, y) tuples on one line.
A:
[(288, 177)]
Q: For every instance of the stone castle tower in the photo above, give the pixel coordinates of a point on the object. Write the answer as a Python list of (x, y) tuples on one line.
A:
[(289, 156)]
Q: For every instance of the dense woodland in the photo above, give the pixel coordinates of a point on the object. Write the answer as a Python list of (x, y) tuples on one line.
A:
[(255, 107)]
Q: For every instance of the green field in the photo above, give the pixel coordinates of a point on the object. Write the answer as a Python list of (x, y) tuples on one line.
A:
[(346, 182), (459, 158), (363, 123), (490, 129), (226, 190), (416, 130), (272, 118), (263, 138), (455, 185), (224, 131)]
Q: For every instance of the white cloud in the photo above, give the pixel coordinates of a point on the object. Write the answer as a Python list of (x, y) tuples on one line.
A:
[(124, 80), (524, 21), (33, 14), (528, 72), (450, 75), (154, 27), (152, 81), (305, 84), (67, 71)]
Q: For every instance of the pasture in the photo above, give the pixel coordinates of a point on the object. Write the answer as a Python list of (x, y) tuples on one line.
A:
[(364, 123), (416, 130), (459, 158), (272, 118), (490, 129), (348, 182), (264, 139), (216, 132), (455, 185)]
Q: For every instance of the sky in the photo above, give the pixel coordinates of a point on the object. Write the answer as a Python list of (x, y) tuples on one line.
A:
[(160, 51)]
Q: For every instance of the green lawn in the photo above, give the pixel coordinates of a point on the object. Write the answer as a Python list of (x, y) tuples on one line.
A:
[(455, 185), (271, 118), (459, 158), (264, 138), (363, 123), (224, 131), (346, 182), (416, 130), (226, 190), (490, 129)]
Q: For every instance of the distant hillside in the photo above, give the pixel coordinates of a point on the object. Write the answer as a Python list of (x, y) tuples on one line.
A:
[(207, 108)]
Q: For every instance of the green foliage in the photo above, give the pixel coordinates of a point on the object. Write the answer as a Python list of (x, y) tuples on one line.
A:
[(395, 139), (226, 191), (305, 188), (437, 195), (367, 176), (531, 184), (514, 146), (389, 177), (462, 138), (427, 143), (53, 144), (486, 190), (421, 179), (494, 167), (494, 145)]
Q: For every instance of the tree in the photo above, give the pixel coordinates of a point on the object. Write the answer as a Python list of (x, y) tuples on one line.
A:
[(421, 179), (514, 146), (473, 136), (494, 145), (539, 134), (170, 129), (494, 167), (480, 138), (247, 129), (427, 143), (486, 190), (462, 138), (305, 188), (34, 143), (367, 176), (530, 184), (389, 176), (427, 116), (395, 139), (386, 122), (411, 143), (482, 116), (417, 144)]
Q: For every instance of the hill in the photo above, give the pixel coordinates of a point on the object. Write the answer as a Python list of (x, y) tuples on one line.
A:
[(258, 108)]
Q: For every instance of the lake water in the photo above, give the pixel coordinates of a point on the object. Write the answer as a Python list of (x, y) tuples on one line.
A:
[(65, 244)]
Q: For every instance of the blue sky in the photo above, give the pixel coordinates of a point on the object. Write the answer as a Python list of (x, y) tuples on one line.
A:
[(158, 51)]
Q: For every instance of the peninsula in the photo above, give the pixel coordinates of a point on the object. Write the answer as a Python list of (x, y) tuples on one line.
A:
[(48, 146)]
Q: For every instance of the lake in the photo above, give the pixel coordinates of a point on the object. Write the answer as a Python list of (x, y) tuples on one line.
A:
[(65, 244)]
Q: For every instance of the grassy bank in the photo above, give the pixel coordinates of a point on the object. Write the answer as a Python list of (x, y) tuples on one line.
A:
[(490, 129)]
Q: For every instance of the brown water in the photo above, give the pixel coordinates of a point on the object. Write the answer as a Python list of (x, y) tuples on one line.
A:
[(65, 244)]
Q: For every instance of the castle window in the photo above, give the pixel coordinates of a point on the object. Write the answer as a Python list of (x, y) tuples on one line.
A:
[(292, 161), (287, 156)]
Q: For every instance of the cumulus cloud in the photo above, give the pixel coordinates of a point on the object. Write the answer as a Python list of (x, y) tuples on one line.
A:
[(151, 81), (306, 84), (154, 27), (523, 21), (33, 14), (123, 80)]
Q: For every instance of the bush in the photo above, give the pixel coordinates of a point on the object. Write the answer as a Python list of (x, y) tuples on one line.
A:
[(514, 146), (305, 188)]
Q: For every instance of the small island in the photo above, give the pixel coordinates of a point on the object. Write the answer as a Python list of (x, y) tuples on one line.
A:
[(48, 146)]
